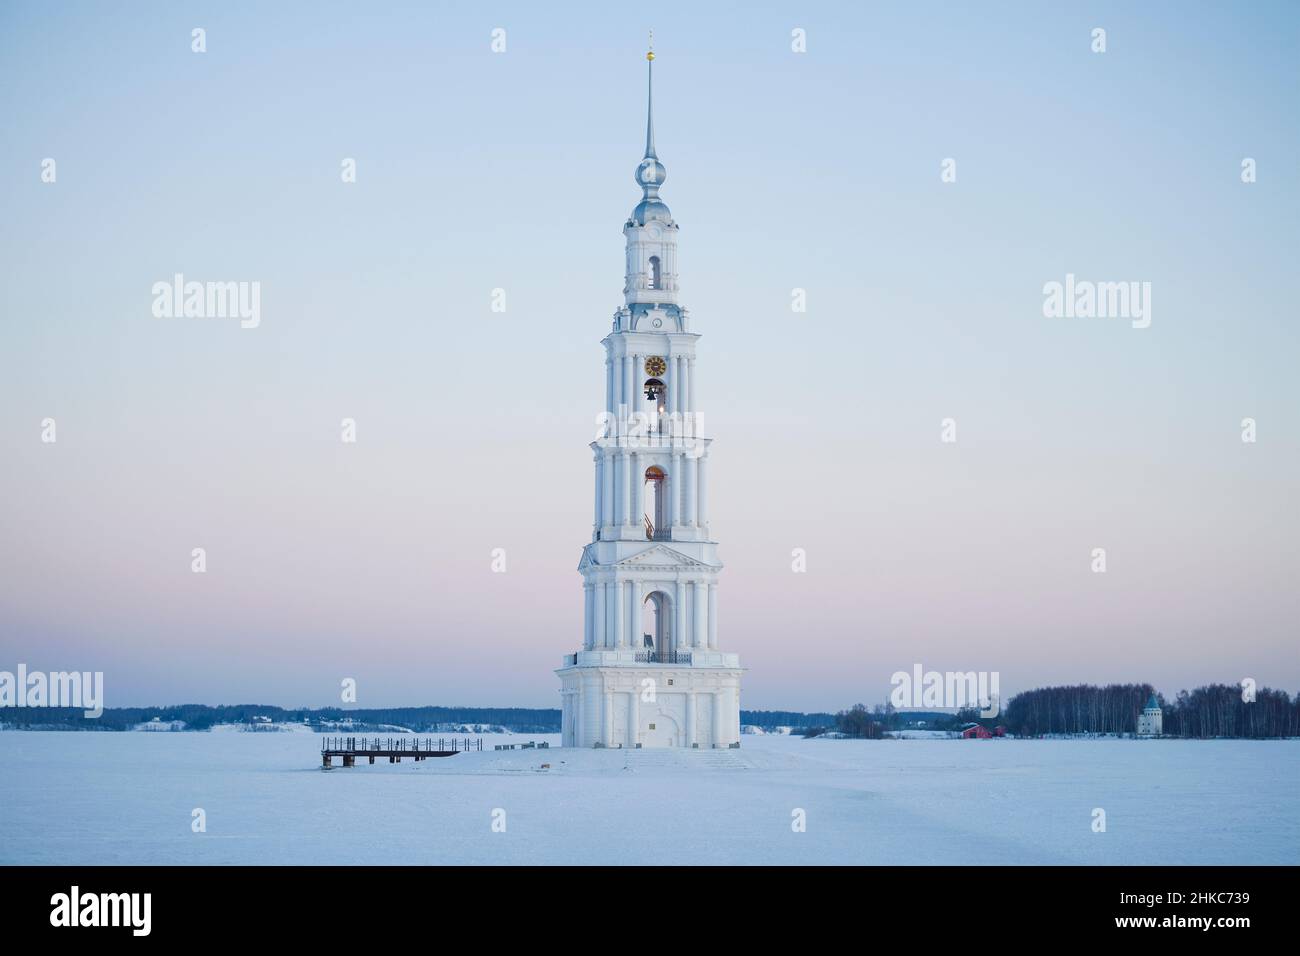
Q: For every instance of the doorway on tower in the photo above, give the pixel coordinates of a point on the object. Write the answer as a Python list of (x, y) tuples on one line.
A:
[(660, 730), (656, 629), (656, 504)]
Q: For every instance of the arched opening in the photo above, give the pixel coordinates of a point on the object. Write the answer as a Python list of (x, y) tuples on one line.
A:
[(656, 395), (660, 730), (656, 627), (656, 278), (656, 503)]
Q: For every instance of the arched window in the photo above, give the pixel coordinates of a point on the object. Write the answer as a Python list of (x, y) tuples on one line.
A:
[(656, 621), (656, 279), (656, 499)]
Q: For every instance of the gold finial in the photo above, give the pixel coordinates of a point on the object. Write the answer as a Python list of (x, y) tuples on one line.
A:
[(650, 54)]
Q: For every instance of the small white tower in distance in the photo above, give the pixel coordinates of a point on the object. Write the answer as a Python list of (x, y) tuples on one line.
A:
[(650, 672), (1151, 719)]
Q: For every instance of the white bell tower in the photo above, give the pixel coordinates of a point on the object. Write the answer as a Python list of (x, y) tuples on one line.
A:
[(650, 672)]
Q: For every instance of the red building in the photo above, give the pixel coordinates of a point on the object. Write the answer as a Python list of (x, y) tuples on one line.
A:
[(975, 731)]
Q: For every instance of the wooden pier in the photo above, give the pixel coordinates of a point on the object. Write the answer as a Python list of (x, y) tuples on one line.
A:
[(394, 748)]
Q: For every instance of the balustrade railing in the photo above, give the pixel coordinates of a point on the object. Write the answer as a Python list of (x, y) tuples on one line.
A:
[(663, 657), (641, 657)]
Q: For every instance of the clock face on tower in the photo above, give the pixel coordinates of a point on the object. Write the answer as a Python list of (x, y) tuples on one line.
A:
[(654, 365)]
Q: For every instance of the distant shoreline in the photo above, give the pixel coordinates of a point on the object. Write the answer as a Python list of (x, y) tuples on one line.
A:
[(428, 719)]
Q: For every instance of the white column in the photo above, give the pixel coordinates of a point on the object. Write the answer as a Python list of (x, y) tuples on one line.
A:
[(588, 616), (598, 615), (618, 383), (636, 381), (674, 483), (700, 607), (617, 636), (628, 387), (690, 719), (627, 494), (611, 598), (616, 465), (683, 501), (579, 713), (609, 384), (607, 731), (713, 615), (670, 386), (719, 735), (691, 401), (638, 494), (607, 494), (634, 632), (633, 718), (733, 714), (680, 637), (688, 506), (701, 492), (679, 377), (596, 497)]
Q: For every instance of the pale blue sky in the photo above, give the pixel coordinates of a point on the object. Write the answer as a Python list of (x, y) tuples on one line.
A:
[(479, 170)]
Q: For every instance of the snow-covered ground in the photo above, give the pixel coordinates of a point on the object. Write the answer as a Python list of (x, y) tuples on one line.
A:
[(89, 798)]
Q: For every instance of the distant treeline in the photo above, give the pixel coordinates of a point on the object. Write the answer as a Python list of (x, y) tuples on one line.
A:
[(1081, 709), (858, 722), (521, 720), (872, 724), (771, 719), (1216, 710)]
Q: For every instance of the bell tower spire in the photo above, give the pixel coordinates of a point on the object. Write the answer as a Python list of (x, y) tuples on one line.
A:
[(650, 281), (650, 99), (650, 571)]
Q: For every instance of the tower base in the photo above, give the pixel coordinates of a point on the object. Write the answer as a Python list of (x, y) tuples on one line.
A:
[(649, 705)]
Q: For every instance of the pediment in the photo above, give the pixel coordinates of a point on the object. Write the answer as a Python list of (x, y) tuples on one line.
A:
[(657, 557), (661, 557)]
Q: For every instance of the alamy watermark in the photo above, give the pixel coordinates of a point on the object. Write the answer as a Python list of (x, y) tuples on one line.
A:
[(922, 689), (55, 689), (1085, 299), (179, 299), (75, 908), (680, 431)]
